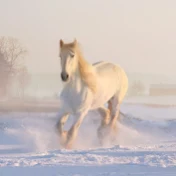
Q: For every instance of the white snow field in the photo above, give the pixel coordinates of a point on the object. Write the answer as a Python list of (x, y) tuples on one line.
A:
[(146, 145)]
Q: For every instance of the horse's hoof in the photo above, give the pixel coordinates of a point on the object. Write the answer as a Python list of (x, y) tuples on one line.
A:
[(68, 147)]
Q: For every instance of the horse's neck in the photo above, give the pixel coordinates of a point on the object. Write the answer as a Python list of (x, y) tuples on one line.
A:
[(83, 65), (87, 74), (84, 76)]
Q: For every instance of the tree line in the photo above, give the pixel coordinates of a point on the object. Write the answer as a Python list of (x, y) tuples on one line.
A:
[(12, 54)]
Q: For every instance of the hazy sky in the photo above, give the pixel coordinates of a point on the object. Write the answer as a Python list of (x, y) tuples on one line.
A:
[(140, 35)]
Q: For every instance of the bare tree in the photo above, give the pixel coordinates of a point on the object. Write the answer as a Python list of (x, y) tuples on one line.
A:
[(23, 79), (13, 53), (4, 74)]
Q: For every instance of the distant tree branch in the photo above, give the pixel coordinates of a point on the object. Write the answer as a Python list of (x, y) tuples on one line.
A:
[(13, 52)]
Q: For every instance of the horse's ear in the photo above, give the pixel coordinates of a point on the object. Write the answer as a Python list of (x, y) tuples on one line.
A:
[(75, 42), (61, 43)]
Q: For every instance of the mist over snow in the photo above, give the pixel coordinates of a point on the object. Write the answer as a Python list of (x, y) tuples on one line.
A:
[(146, 142)]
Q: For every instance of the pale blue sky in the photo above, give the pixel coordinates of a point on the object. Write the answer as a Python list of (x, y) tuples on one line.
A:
[(140, 35)]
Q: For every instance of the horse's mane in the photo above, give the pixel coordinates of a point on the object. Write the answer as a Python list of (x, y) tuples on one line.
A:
[(86, 70)]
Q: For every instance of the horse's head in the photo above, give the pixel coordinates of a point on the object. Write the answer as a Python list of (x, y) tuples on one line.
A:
[(69, 59)]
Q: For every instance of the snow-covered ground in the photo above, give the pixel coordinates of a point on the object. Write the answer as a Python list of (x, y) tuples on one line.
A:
[(146, 145)]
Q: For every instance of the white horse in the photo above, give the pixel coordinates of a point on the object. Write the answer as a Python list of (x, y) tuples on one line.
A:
[(89, 87)]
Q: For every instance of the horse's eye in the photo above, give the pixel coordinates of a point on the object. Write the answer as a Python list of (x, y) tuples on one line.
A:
[(72, 55)]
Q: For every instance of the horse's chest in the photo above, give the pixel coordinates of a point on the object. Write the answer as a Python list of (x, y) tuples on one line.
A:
[(75, 99)]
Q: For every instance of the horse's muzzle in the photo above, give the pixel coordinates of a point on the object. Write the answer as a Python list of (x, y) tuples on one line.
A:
[(64, 76)]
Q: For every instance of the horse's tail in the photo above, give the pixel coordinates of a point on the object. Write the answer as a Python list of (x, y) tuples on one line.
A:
[(123, 114)]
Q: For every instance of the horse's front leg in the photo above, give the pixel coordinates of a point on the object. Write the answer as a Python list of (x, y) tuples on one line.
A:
[(73, 132), (59, 126)]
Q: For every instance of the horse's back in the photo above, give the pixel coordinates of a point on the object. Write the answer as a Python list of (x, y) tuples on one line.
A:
[(98, 63), (112, 76), (103, 67)]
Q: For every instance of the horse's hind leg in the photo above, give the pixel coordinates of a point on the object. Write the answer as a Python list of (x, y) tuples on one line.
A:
[(105, 114), (60, 124), (114, 107)]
